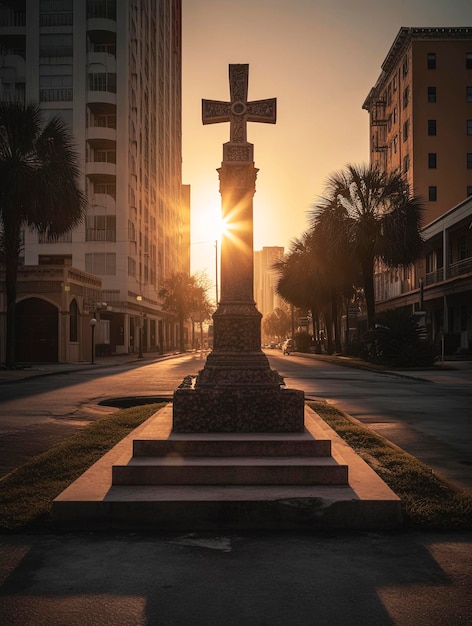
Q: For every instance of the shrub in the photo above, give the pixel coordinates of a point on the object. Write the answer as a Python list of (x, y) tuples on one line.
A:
[(399, 341)]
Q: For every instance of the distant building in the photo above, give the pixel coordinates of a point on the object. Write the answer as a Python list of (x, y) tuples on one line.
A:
[(420, 113), (112, 70), (265, 278)]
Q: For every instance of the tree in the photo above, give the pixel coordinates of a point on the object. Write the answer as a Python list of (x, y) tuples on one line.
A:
[(277, 323), (371, 215), (313, 278), (203, 307), (182, 296), (39, 189)]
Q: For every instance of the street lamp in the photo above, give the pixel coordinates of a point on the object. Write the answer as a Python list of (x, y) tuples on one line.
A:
[(140, 353), (93, 323)]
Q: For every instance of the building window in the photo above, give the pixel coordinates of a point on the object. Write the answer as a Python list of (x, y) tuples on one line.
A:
[(469, 191), (406, 130), (432, 160), (395, 144), (431, 127), (469, 127), (468, 60), (102, 81), (432, 193), (395, 115), (431, 94), (406, 96), (405, 67), (100, 228), (469, 160), (431, 60), (406, 163), (468, 94), (101, 263), (131, 267)]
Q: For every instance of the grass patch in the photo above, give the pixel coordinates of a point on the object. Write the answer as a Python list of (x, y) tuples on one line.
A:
[(428, 501), (26, 494)]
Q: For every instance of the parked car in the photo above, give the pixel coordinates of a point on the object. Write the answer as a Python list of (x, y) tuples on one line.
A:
[(288, 346)]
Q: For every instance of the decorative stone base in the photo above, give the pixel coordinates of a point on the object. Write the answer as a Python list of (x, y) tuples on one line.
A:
[(244, 410)]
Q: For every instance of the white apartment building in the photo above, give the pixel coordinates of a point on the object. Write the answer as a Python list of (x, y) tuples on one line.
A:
[(112, 70)]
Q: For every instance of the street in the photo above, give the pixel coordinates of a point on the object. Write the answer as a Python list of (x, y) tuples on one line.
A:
[(431, 420)]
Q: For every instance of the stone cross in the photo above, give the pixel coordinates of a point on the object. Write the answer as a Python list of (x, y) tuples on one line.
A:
[(239, 111)]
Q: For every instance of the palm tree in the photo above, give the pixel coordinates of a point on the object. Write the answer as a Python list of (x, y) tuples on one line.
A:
[(311, 277), (370, 215), (39, 189)]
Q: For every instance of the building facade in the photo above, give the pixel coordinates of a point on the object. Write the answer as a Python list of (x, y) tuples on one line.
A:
[(112, 70), (420, 113), (265, 278)]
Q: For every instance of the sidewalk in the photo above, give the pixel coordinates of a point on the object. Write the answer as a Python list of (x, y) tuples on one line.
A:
[(44, 369)]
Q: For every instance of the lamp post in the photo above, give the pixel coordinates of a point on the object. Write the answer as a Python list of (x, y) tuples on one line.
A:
[(140, 337), (93, 323)]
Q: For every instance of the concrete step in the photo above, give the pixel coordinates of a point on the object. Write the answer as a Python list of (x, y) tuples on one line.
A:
[(244, 446), (230, 471)]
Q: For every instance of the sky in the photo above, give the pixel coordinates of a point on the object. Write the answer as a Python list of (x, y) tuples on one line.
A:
[(319, 58)]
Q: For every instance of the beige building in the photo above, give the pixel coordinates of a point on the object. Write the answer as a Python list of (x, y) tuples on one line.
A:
[(112, 70), (265, 278), (420, 114)]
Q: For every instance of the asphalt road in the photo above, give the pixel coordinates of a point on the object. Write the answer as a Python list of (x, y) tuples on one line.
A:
[(431, 420)]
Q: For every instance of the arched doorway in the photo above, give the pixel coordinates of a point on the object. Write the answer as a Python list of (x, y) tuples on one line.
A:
[(36, 331)]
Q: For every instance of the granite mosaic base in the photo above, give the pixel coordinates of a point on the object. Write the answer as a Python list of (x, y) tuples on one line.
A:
[(245, 410)]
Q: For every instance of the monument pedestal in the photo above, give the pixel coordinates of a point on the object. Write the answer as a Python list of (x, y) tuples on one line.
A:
[(237, 391)]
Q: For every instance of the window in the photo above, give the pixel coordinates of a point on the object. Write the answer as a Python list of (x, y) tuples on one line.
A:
[(100, 228), (406, 130), (406, 96), (432, 160), (462, 248), (395, 144), (469, 191), (431, 60), (468, 60), (56, 45), (406, 163), (431, 127), (469, 127), (431, 94), (432, 193), (101, 263), (395, 115), (405, 67), (469, 160)]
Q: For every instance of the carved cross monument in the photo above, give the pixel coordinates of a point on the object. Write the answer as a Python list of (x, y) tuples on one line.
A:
[(237, 391)]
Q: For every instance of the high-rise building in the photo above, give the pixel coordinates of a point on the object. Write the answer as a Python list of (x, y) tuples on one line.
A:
[(420, 112), (264, 278), (112, 70)]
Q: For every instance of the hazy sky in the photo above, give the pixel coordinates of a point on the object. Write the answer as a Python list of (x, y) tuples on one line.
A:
[(319, 58)]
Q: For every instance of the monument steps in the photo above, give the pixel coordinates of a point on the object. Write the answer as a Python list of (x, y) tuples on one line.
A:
[(94, 502), (242, 470)]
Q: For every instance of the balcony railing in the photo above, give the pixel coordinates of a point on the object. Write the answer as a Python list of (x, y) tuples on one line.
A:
[(460, 267), (434, 277)]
